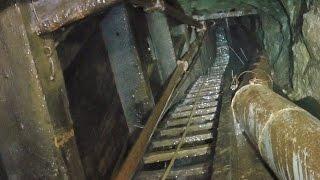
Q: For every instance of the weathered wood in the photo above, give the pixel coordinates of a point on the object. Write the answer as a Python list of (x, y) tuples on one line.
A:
[(195, 120), (161, 44), (198, 112), (204, 99), (205, 93), (193, 128), (167, 155), (221, 15), (48, 15), (188, 140), (185, 172), (136, 153), (132, 83), (182, 108), (36, 124), (161, 5), (193, 91)]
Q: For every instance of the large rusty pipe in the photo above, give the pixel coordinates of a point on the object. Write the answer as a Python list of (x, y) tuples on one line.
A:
[(287, 136)]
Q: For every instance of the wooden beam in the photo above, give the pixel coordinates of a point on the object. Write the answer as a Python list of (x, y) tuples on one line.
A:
[(167, 155), (35, 120), (132, 83), (48, 15)]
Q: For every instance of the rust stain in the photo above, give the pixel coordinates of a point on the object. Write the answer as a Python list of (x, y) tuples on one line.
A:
[(286, 135), (63, 138)]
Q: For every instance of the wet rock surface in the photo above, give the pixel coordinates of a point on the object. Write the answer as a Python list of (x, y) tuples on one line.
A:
[(307, 60), (288, 32)]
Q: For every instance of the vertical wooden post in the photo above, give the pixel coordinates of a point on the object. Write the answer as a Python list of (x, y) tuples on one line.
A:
[(132, 85), (37, 138), (162, 46)]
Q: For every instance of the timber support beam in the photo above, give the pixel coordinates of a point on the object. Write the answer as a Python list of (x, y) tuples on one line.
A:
[(161, 44), (36, 132), (162, 6), (132, 84)]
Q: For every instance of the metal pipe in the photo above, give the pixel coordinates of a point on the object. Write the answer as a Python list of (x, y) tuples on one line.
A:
[(286, 135)]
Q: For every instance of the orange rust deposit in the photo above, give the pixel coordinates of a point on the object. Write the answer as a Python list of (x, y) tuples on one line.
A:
[(286, 135)]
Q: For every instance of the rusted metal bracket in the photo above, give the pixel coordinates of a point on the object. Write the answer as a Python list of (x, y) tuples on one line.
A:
[(161, 5), (286, 135), (221, 15), (136, 153)]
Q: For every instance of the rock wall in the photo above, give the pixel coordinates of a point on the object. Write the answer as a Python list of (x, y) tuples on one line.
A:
[(289, 34), (306, 58)]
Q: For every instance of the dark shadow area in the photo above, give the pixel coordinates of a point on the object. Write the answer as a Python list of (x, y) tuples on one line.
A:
[(311, 105), (100, 126), (3, 173)]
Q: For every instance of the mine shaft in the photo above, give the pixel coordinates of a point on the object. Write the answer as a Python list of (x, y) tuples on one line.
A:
[(159, 89)]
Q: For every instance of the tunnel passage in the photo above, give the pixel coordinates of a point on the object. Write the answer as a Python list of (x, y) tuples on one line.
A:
[(143, 89)]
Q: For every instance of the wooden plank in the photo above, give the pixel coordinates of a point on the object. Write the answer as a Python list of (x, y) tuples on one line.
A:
[(198, 112), (215, 87), (203, 99), (206, 93), (188, 140), (182, 108), (36, 124), (221, 15), (192, 128), (132, 84), (183, 153), (162, 45), (51, 15), (184, 172), (195, 120)]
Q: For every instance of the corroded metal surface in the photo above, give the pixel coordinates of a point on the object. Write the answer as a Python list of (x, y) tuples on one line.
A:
[(50, 15), (286, 135)]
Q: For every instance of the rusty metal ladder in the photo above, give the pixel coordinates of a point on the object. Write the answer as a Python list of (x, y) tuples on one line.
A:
[(183, 144)]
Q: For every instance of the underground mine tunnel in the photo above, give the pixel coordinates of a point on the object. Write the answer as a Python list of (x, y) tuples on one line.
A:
[(159, 89)]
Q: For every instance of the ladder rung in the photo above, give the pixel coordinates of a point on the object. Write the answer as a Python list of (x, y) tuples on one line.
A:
[(167, 155), (193, 128)]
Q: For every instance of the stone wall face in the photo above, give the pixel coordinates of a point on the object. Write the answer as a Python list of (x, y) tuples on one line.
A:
[(289, 33), (306, 57)]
